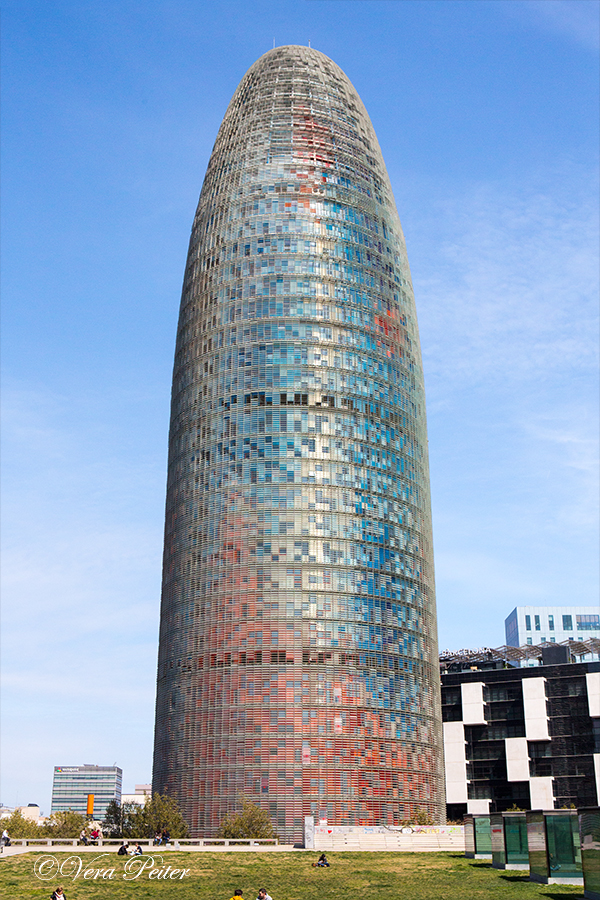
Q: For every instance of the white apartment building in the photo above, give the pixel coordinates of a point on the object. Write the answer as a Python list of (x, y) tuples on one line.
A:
[(552, 624)]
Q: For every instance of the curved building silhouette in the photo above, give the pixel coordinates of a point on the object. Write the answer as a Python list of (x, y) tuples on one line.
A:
[(298, 657)]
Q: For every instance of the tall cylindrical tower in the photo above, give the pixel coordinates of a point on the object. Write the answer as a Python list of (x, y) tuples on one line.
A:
[(298, 659)]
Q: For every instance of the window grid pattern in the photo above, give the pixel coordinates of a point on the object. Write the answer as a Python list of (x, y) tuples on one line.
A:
[(298, 649)]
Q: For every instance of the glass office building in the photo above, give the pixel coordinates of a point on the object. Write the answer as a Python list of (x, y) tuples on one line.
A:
[(298, 649), (72, 785)]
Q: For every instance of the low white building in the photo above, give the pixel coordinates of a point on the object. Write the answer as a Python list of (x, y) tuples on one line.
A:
[(30, 812), (143, 792)]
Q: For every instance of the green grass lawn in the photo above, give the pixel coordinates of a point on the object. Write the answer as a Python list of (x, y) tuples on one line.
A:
[(288, 876)]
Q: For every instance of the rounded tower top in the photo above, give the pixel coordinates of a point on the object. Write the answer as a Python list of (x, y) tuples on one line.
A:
[(296, 109)]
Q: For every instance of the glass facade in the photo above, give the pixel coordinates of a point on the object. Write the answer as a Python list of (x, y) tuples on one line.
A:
[(72, 784), (564, 849), (483, 835), (554, 846), (589, 829), (298, 649), (515, 835), (509, 840)]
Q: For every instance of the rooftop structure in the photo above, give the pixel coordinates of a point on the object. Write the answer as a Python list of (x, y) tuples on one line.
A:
[(528, 654), (298, 659)]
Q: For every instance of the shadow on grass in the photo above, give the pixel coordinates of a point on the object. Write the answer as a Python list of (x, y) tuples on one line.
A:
[(481, 865), (520, 879), (562, 896)]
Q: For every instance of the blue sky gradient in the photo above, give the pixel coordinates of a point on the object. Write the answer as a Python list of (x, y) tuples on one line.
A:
[(487, 115)]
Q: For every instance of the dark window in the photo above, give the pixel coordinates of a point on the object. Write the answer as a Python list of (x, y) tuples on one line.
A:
[(451, 704), (567, 623), (539, 749), (596, 733), (477, 791), (497, 693)]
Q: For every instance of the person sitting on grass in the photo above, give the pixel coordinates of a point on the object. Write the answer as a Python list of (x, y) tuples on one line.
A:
[(58, 894), (137, 851), (322, 861), (123, 849), (237, 895), (262, 895)]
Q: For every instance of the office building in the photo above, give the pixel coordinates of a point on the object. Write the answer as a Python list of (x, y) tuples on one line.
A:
[(298, 650), (521, 737), (73, 784), (531, 625)]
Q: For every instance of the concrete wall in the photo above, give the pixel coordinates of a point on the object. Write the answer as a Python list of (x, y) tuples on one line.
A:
[(377, 838)]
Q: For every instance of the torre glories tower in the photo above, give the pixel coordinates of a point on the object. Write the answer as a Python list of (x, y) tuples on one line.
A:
[(298, 662)]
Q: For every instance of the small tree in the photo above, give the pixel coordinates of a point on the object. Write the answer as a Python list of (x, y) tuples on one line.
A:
[(423, 817), (65, 824), (419, 817), (112, 825), (120, 820), (250, 822), (161, 813), (20, 827)]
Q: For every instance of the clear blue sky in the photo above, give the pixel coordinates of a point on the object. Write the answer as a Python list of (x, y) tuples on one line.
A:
[(487, 115)]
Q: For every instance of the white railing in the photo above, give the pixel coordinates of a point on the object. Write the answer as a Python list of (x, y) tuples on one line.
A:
[(173, 844)]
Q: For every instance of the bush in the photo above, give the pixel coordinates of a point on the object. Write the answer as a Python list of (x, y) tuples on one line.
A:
[(161, 813), (250, 822), (419, 817), (64, 824), (20, 827)]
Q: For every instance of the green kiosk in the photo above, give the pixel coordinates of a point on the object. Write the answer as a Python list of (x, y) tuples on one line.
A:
[(478, 839), (554, 846), (509, 840), (589, 829)]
